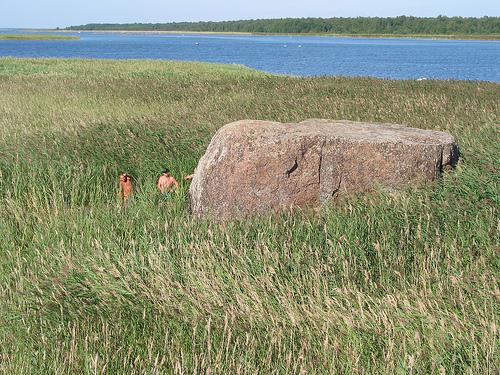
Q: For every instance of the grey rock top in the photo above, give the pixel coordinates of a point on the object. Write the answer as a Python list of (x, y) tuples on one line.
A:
[(254, 166)]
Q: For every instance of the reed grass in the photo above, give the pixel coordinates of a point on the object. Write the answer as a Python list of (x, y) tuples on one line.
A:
[(402, 282), (37, 37)]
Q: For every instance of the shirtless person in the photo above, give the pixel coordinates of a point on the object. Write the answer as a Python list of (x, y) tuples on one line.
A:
[(167, 182), (125, 187)]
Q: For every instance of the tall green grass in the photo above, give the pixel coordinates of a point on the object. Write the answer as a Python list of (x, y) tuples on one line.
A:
[(401, 282)]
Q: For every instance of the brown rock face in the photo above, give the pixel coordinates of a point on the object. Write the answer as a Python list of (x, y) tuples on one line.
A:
[(257, 166)]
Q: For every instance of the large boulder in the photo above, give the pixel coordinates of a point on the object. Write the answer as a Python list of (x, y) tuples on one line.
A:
[(255, 166)]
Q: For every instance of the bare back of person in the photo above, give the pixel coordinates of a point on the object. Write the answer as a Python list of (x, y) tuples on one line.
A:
[(166, 182)]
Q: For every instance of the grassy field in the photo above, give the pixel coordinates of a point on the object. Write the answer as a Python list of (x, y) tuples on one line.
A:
[(396, 283), (37, 37)]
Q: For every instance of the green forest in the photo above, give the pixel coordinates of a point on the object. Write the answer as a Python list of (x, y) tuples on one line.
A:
[(402, 25)]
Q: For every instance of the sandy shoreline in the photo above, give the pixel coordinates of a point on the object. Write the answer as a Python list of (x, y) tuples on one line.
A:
[(371, 36)]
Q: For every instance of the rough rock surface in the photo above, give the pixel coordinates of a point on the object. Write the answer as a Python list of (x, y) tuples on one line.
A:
[(255, 166)]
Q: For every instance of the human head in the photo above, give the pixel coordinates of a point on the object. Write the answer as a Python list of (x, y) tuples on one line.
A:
[(124, 177), (166, 171)]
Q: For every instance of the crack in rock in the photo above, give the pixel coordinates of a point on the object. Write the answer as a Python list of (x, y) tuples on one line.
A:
[(335, 191), (320, 161), (293, 169)]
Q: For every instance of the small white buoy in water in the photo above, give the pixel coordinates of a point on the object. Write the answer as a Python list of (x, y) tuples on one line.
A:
[(300, 45), (197, 43), (422, 79), (284, 45)]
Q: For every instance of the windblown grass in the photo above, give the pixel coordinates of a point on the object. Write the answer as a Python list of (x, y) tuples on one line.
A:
[(37, 37), (396, 283)]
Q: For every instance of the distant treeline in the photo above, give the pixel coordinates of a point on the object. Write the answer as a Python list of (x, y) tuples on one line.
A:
[(403, 25)]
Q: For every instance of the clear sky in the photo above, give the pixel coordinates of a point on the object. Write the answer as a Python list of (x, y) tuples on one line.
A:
[(62, 13)]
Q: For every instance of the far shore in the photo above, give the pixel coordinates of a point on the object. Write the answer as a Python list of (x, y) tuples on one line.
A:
[(397, 36), (37, 37)]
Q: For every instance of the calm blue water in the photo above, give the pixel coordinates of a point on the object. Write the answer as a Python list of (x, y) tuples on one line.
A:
[(301, 56)]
